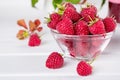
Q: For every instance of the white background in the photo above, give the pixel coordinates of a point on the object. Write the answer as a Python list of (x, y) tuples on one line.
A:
[(18, 61)]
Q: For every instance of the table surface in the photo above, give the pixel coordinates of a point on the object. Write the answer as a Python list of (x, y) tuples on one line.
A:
[(18, 61)]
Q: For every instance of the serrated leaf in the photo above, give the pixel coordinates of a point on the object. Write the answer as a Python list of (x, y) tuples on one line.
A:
[(73, 1), (55, 2), (33, 2), (103, 2)]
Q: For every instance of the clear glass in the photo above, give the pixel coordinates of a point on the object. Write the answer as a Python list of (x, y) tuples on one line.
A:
[(85, 47), (114, 9)]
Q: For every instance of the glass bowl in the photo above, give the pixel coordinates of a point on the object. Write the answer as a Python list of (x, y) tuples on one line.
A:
[(85, 47)]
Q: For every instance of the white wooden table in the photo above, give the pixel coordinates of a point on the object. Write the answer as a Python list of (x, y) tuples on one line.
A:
[(18, 61)]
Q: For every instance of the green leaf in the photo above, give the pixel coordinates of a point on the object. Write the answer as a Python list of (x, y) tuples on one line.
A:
[(33, 2), (73, 1), (55, 2), (103, 2)]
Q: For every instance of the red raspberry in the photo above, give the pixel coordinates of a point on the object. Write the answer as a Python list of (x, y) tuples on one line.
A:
[(97, 27), (55, 16), (71, 13), (54, 19), (109, 23), (34, 40), (52, 24), (72, 51), (67, 42), (69, 5), (89, 12), (84, 69), (54, 60), (96, 42), (81, 28), (65, 26), (82, 48)]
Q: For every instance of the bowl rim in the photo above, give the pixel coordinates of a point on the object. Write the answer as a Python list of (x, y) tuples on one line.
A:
[(97, 35)]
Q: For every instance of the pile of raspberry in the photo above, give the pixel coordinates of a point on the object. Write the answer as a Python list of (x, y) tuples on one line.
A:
[(67, 20)]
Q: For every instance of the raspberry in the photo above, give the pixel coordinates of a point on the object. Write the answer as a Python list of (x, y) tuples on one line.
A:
[(67, 42), (52, 24), (89, 12), (81, 28), (84, 69), (34, 40), (72, 14), (65, 26), (55, 16), (69, 5), (82, 48), (54, 19), (72, 51), (97, 27), (95, 41), (54, 61), (109, 23)]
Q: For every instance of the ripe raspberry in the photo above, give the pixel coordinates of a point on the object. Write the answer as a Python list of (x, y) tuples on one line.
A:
[(96, 42), (97, 27), (84, 69), (54, 19), (72, 51), (82, 48), (52, 24), (109, 23), (54, 60), (72, 14), (89, 12), (55, 16), (34, 40), (69, 43), (69, 5), (65, 26), (81, 28)]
